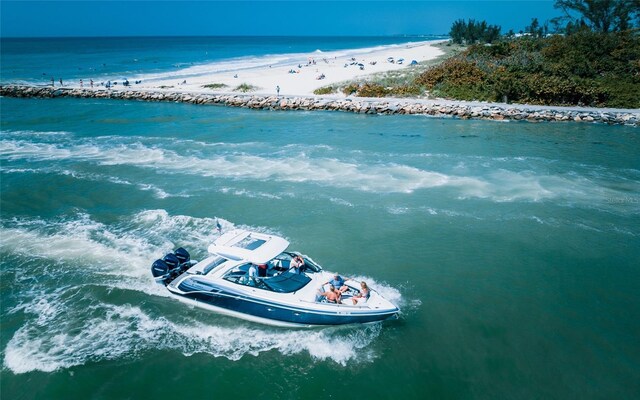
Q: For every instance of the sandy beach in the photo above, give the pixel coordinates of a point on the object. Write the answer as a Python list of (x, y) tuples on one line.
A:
[(299, 74)]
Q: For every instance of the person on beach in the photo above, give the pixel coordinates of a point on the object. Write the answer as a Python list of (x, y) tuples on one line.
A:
[(53, 82), (81, 83), (60, 81), (364, 294), (331, 296), (278, 90), (91, 82), (338, 282)]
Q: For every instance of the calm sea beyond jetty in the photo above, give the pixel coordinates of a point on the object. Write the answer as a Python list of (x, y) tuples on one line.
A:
[(508, 235)]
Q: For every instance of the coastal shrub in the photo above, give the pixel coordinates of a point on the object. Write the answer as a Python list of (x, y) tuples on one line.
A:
[(454, 75), (405, 91), (214, 86), (325, 90), (585, 68), (350, 89), (372, 90), (244, 88)]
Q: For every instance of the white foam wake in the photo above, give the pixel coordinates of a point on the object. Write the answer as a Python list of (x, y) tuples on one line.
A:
[(304, 164), (67, 325), (58, 335)]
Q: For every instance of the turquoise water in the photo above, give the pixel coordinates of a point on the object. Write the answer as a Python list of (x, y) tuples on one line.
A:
[(512, 249)]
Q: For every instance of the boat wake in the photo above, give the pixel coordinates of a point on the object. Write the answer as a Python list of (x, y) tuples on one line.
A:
[(60, 334), (61, 325)]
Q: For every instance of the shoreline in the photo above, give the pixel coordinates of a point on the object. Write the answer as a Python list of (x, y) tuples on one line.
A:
[(396, 106), (292, 74)]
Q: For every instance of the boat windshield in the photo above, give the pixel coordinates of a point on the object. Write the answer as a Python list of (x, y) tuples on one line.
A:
[(283, 282)]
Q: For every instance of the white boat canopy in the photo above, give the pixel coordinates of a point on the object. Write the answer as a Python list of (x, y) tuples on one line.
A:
[(254, 247)]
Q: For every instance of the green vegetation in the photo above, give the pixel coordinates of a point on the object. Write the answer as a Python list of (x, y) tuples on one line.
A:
[(597, 15), (585, 68), (214, 86), (325, 90), (471, 32), (244, 88)]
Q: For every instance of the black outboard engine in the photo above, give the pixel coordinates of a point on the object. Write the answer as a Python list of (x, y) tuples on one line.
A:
[(182, 255), (159, 269), (172, 261), (171, 266)]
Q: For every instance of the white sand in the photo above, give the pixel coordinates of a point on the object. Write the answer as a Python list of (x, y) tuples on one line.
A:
[(304, 81)]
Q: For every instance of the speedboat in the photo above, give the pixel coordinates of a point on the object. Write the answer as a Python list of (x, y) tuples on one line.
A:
[(250, 275)]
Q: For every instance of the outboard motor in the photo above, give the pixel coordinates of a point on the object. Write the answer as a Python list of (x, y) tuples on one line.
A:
[(172, 261), (182, 255), (159, 269), (171, 266)]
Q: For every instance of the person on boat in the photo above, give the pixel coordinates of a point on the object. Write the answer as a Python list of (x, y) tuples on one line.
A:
[(253, 275), (331, 296), (297, 264), (339, 282), (364, 294), (262, 270)]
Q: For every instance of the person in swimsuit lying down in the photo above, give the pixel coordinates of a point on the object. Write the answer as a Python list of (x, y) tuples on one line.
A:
[(332, 295)]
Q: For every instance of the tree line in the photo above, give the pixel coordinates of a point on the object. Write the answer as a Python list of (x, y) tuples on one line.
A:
[(602, 16), (587, 56)]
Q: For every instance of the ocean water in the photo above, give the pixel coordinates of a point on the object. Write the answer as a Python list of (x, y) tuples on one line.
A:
[(511, 248)]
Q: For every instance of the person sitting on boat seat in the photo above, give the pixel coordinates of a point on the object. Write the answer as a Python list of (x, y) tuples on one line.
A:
[(338, 282), (262, 270), (364, 294), (296, 265), (331, 296)]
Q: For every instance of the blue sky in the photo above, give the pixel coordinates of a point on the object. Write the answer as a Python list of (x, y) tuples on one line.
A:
[(279, 18)]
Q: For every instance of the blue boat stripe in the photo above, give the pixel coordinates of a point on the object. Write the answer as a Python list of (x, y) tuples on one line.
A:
[(293, 308)]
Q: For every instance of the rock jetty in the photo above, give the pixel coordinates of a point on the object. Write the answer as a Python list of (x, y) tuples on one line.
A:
[(356, 105)]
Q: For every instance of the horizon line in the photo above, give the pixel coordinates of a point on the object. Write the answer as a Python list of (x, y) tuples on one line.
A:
[(223, 36)]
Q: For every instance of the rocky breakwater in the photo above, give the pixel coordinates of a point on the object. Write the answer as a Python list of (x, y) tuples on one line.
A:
[(356, 105)]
